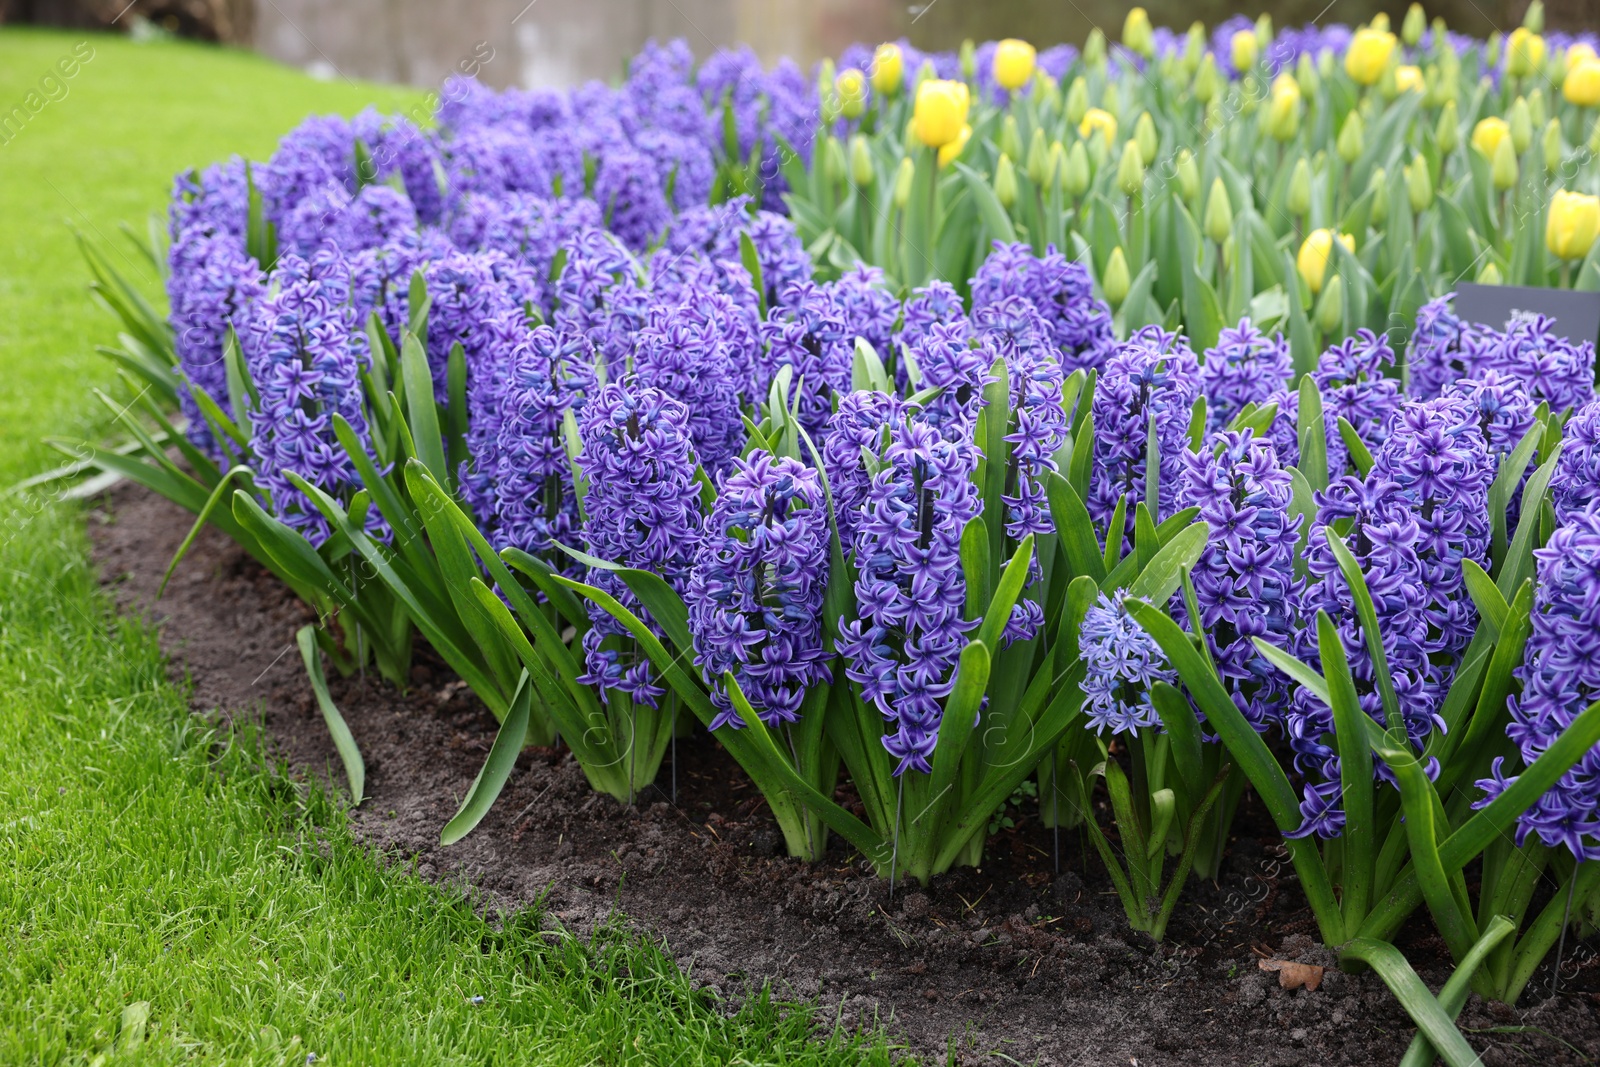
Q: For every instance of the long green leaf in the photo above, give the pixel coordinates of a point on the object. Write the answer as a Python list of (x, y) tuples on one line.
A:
[(496, 768), (355, 769), (1408, 989)]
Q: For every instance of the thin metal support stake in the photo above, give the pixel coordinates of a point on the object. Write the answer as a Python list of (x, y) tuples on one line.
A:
[(1566, 920), (894, 853)]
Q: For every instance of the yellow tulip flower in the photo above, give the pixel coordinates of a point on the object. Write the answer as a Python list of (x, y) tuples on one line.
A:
[(1572, 224), (940, 111), (1013, 63), (1369, 55), (1582, 84), (1525, 52), (851, 87), (1488, 133), (1244, 49), (888, 68), (1312, 261), (1097, 121), (953, 149), (1408, 79), (1137, 34)]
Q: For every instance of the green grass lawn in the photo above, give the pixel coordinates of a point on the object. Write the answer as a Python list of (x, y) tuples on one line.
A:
[(142, 857)]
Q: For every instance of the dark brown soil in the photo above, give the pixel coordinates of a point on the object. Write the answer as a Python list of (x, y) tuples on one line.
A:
[(1011, 963)]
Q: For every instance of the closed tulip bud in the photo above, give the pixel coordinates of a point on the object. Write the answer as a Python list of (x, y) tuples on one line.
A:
[(1408, 79), (1489, 275), (1448, 130), (1207, 80), (969, 59), (1188, 173), (1380, 22), (851, 85), (1525, 53), (1243, 50), (825, 72), (1077, 179), (1504, 169), (888, 69), (1582, 83), (1315, 250), (1010, 142), (1046, 92), (1519, 121), (1416, 22), (1330, 309), (1130, 169), (1115, 283), (1219, 212), (1094, 49), (1572, 224), (1537, 111), (1533, 18), (1283, 110), (1491, 51), (1487, 135), (1594, 138), (940, 111), (1305, 75), (1552, 145), (1055, 166), (1299, 197), (1098, 121), (902, 181), (1264, 29), (1352, 138), (1014, 62), (1379, 185), (862, 172), (1368, 55), (1194, 47), (1038, 158), (1419, 185), (1005, 181), (1077, 104), (948, 152), (838, 166), (1144, 131), (1137, 33)]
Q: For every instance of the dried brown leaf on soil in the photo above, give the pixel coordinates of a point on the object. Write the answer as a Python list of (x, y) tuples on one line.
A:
[(1291, 975)]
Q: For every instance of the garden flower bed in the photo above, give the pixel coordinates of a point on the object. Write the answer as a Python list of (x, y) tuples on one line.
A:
[(954, 484)]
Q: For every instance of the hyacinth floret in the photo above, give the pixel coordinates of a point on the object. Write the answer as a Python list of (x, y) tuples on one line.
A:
[(1553, 369), (1244, 367), (1575, 483), (960, 373), (903, 648), (1439, 348), (934, 304), (1560, 678), (600, 294), (870, 311), (807, 332), (1061, 290), (691, 351), (755, 595), (536, 505), (632, 200), (856, 430), (1121, 663), (301, 355), (1153, 378), (1244, 580), (641, 510), (211, 285)]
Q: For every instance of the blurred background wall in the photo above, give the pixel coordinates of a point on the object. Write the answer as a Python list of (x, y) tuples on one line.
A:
[(558, 42)]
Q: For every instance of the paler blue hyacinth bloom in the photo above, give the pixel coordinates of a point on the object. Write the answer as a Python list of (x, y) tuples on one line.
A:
[(934, 304), (536, 504), (1244, 367), (601, 295), (1121, 663), (1244, 580), (1153, 378), (903, 647), (1575, 483), (960, 373), (641, 509), (1553, 369), (1560, 678), (870, 311), (755, 594), (1438, 350), (1061, 291), (1355, 388), (629, 191), (303, 358), (211, 285), (693, 351)]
